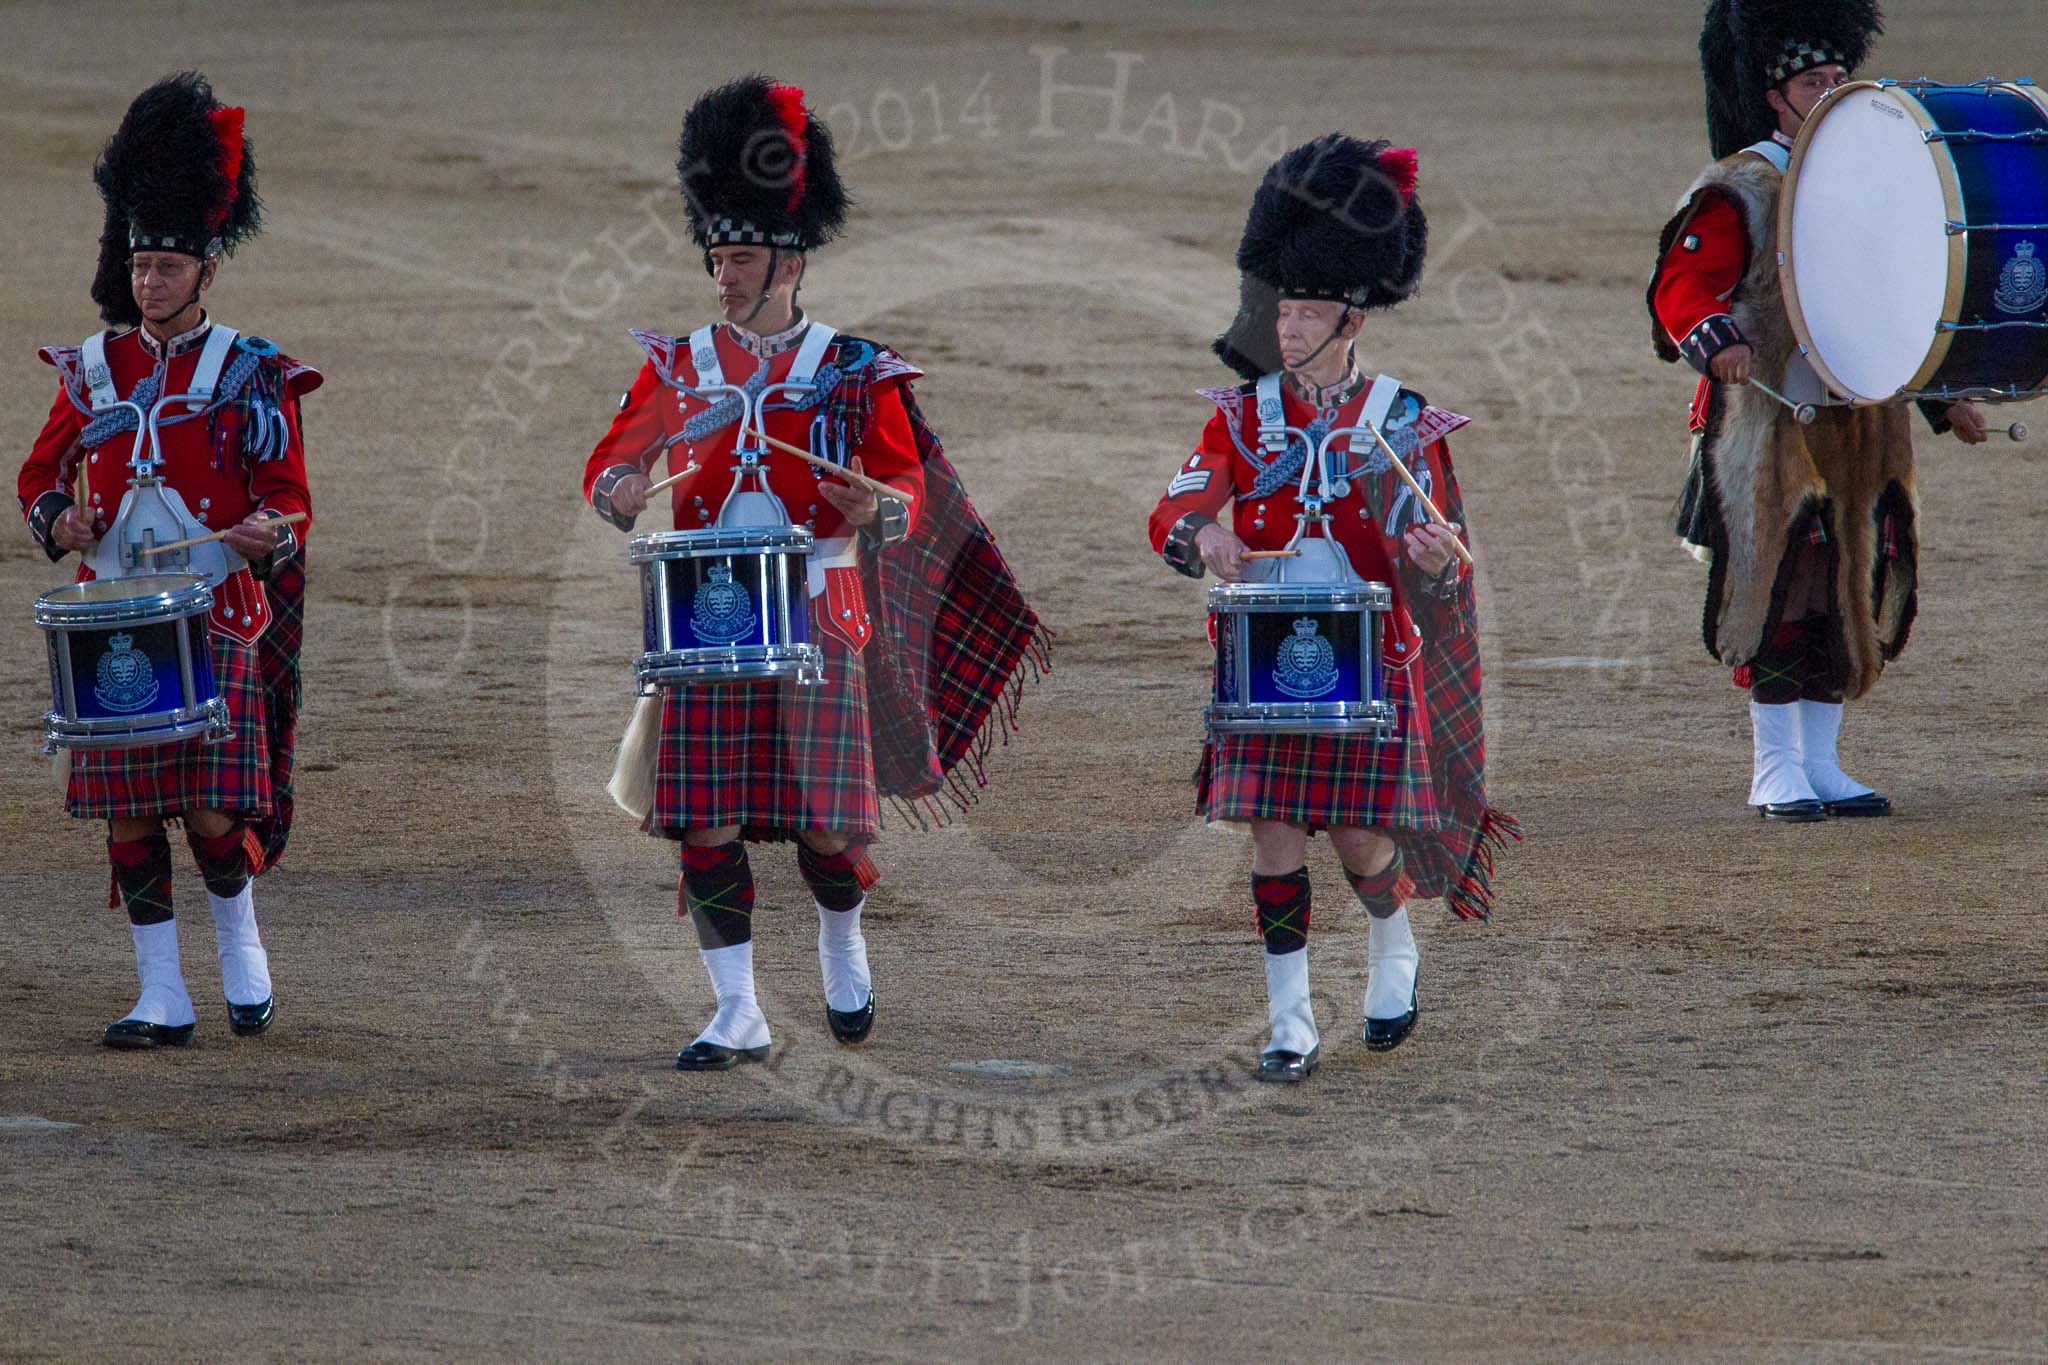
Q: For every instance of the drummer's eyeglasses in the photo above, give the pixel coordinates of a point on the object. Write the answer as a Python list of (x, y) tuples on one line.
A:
[(174, 269)]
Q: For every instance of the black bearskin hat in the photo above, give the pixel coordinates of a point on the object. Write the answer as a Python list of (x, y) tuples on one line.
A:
[(756, 166), (1335, 219), (176, 176), (1750, 47)]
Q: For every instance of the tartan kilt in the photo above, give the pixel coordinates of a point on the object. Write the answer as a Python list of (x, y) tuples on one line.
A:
[(771, 757), (164, 779), (1323, 780)]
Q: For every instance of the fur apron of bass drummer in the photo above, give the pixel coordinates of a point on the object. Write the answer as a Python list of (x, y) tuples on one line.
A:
[(1347, 693), (830, 621), (173, 463), (1801, 495)]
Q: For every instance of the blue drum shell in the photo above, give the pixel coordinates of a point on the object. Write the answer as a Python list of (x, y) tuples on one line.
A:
[(2000, 182), (1286, 669), (144, 672), (741, 610)]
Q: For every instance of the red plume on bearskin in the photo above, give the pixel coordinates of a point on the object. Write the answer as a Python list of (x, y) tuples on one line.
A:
[(227, 126), (1335, 218), (751, 154), (172, 172), (1402, 165), (788, 102)]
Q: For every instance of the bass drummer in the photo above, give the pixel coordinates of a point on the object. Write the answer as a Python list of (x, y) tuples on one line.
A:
[(772, 760), (1809, 532), (1335, 232), (179, 181)]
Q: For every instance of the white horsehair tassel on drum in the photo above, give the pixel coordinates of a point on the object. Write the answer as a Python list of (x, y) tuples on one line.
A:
[(632, 784)]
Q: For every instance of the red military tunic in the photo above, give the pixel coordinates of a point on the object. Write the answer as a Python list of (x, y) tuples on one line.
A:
[(1696, 282), (208, 460), (1320, 780), (771, 757)]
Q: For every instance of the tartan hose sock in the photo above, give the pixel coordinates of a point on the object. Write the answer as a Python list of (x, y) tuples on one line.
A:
[(717, 893)]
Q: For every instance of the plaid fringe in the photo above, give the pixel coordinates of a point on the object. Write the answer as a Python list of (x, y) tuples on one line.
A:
[(957, 645), (956, 797), (283, 691), (1471, 897)]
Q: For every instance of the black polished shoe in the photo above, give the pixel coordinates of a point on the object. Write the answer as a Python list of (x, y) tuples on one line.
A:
[(1384, 1035), (249, 1020), (1288, 1067), (703, 1056), (1793, 812), (129, 1034), (852, 1026), (1865, 807)]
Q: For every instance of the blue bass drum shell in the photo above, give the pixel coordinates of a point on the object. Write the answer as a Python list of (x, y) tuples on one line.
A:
[(2001, 182)]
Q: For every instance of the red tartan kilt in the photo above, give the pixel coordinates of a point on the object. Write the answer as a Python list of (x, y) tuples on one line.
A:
[(771, 757), (164, 779), (1323, 780)]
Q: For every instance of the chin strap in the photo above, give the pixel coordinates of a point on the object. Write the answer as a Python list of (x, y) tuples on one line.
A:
[(1310, 359)]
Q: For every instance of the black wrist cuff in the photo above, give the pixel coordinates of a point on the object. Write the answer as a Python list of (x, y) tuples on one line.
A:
[(1443, 586), (601, 495), (1713, 336), (891, 525), (1179, 550), (42, 520), (1935, 410), (287, 546)]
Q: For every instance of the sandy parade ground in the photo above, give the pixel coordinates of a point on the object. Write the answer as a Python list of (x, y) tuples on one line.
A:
[(1703, 1089)]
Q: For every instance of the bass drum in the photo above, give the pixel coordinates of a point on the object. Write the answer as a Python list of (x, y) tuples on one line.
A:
[(1913, 241)]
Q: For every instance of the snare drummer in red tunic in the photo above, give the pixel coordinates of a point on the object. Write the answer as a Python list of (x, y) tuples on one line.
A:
[(769, 759), (1334, 231), (179, 185)]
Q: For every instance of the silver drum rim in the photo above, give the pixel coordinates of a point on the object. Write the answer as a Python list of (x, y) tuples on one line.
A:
[(1236, 597), (186, 722), (1373, 719), (173, 604), (718, 541), (805, 663)]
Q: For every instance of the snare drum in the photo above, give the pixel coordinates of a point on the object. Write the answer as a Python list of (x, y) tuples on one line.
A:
[(725, 604), (130, 664), (1913, 240), (1299, 658)]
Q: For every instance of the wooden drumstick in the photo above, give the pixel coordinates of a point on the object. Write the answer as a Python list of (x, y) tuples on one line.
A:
[(839, 471), (1270, 554), (672, 480), (286, 520), (1457, 545)]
